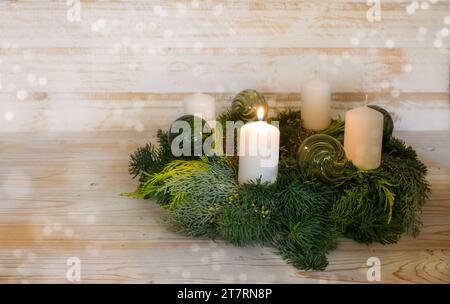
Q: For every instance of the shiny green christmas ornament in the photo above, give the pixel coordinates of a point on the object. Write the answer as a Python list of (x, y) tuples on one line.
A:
[(187, 136), (388, 123), (246, 103), (323, 157)]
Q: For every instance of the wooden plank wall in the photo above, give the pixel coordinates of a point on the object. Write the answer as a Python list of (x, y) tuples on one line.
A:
[(127, 64)]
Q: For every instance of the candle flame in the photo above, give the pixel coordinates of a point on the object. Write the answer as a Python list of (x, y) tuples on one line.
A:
[(260, 113)]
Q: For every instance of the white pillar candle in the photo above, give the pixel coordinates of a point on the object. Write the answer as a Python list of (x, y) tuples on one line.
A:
[(201, 105), (363, 137), (316, 105), (259, 145)]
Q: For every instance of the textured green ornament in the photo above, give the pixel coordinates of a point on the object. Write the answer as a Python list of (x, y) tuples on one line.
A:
[(388, 123), (195, 137), (246, 103), (323, 157)]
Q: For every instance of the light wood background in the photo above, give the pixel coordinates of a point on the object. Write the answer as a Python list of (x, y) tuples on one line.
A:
[(77, 97), (60, 199), (126, 65)]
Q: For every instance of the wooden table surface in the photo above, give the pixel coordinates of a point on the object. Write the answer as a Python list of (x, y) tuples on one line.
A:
[(59, 198)]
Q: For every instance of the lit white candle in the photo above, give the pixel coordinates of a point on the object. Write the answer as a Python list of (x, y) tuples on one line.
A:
[(259, 145), (363, 137), (316, 105), (201, 105)]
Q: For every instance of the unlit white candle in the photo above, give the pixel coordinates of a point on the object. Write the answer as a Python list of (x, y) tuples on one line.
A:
[(316, 105), (201, 105), (363, 137), (259, 146)]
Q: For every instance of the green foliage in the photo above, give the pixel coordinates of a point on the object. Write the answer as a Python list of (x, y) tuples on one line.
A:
[(380, 205), (150, 158), (307, 233), (250, 217), (364, 205), (195, 192), (292, 134), (336, 130), (401, 162), (301, 217)]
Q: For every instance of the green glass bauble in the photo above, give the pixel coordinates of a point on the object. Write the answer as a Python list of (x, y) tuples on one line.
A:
[(246, 103), (388, 123), (323, 157), (195, 136)]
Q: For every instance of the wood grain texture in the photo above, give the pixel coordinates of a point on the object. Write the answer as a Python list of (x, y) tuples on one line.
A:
[(59, 198), (50, 67), (145, 112), (277, 23)]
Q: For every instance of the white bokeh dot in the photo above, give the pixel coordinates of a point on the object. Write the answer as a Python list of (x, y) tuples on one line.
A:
[(43, 81), (422, 30), (139, 127), (410, 10), (31, 78), (22, 94), (407, 68), (444, 32), (447, 20), (395, 93), (218, 9), (9, 116), (168, 34), (437, 43), (390, 43), (354, 41), (186, 274), (101, 23), (424, 5)]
